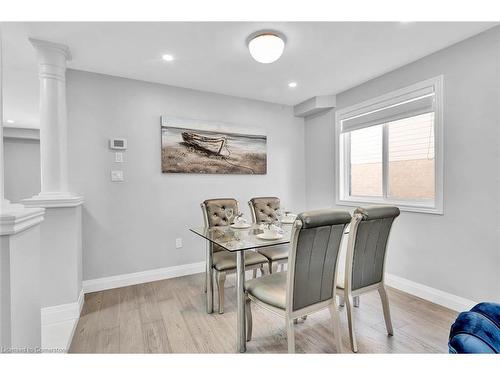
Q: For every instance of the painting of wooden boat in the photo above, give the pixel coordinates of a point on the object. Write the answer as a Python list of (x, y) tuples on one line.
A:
[(211, 148), (213, 145)]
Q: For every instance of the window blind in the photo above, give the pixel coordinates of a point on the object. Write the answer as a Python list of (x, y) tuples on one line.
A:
[(414, 104)]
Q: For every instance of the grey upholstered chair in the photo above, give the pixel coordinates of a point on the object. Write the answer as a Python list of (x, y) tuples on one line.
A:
[(365, 260), (264, 210), (309, 283), (221, 262)]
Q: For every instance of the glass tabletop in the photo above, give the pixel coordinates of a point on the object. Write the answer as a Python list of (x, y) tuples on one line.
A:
[(233, 239)]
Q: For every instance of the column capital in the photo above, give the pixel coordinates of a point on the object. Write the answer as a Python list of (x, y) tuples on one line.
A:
[(46, 47), (52, 58)]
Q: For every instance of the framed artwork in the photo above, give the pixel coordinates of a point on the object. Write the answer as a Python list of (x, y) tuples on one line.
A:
[(197, 146)]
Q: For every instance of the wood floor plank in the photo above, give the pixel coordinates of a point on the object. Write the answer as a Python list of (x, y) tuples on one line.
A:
[(148, 305), (176, 328), (130, 330), (155, 337), (108, 340), (168, 316), (109, 314)]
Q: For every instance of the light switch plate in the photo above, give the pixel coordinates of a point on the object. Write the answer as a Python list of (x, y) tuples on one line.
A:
[(178, 243), (119, 157), (117, 176)]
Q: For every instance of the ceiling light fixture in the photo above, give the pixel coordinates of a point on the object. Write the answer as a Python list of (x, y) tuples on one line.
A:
[(167, 57), (292, 84), (9, 121), (266, 46)]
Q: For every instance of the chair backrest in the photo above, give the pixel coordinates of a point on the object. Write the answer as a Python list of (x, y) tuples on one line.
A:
[(313, 259), (214, 214), (264, 209), (367, 248)]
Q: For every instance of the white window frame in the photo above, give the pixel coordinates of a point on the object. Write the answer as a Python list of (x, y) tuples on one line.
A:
[(342, 160)]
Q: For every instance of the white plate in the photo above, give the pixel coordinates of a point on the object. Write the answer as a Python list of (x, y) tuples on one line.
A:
[(241, 226), (275, 236)]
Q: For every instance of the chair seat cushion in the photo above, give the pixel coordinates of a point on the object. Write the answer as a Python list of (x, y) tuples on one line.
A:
[(270, 289), (274, 252), (226, 260)]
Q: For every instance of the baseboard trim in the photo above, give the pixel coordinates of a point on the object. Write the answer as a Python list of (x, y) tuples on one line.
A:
[(436, 296), (118, 281), (59, 324), (433, 295)]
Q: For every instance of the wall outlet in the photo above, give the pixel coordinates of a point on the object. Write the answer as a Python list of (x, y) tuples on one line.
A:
[(119, 157), (178, 243), (116, 176)]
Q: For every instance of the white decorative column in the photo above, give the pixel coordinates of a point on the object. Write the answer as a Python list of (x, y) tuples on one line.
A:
[(52, 59), (20, 325), (61, 231)]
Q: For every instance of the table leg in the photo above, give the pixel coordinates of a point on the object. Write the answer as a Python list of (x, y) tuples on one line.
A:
[(209, 280), (240, 296)]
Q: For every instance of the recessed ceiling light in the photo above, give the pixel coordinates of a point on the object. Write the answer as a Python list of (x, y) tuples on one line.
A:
[(292, 84), (167, 57), (266, 46), (9, 121)]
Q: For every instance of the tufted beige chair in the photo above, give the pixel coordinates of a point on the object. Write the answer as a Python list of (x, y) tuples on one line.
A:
[(309, 283), (221, 262), (263, 210), (365, 261)]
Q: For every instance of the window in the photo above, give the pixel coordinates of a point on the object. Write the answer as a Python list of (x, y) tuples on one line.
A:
[(390, 150)]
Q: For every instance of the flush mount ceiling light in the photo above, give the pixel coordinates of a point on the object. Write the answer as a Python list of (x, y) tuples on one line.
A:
[(167, 57), (10, 121), (292, 84), (266, 46)]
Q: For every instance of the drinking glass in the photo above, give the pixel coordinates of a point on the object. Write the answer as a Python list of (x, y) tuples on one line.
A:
[(279, 214), (229, 214)]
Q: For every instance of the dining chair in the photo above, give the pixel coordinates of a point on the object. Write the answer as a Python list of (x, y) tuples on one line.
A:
[(264, 210), (365, 261), (220, 262), (309, 283)]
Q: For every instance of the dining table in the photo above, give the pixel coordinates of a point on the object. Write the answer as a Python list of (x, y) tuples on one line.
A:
[(237, 241)]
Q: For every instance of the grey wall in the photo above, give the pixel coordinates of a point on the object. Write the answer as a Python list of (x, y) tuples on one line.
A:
[(319, 158), (458, 252), (22, 168), (132, 226)]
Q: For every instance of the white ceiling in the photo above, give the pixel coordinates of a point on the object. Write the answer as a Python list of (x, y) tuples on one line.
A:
[(322, 57)]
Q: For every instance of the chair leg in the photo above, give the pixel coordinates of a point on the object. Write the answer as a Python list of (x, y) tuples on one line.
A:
[(336, 327), (221, 279), (248, 313), (356, 301), (387, 311), (350, 321), (209, 281), (290, 335), (254, 275)]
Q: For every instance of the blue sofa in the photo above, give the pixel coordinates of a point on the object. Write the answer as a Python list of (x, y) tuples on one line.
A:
[(477, 330)]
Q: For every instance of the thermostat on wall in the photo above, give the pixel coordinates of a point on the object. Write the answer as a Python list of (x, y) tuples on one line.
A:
[(118, 144)]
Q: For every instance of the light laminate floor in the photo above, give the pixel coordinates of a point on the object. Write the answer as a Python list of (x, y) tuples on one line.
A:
[(168, 316)]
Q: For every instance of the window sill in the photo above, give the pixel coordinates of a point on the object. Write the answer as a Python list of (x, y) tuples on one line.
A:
[(401, 205)]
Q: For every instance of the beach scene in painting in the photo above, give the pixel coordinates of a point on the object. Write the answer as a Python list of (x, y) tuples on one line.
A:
[(186, 150)]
